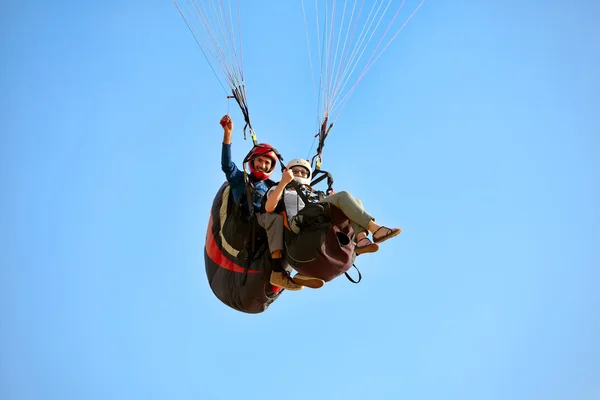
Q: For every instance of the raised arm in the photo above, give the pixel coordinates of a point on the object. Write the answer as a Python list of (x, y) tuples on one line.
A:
[(274, 195), (232, 173)]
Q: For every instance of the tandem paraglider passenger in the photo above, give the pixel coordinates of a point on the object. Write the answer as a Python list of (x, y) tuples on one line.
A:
[(261, 162), (286, 197)]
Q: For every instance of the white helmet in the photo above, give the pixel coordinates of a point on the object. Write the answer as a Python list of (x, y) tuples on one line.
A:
[(299, 162)]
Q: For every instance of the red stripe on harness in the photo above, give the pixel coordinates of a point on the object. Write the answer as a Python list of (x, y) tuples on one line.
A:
[(215, 254)]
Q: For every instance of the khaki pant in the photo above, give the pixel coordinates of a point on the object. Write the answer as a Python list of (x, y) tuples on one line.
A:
[(351, 206), (273, 224)]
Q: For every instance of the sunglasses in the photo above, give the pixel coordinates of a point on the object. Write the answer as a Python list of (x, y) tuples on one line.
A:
[(300, 171)]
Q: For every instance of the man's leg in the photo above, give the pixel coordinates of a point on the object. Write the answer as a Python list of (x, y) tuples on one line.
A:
[(352, 207), (354, 210), (272, 223)]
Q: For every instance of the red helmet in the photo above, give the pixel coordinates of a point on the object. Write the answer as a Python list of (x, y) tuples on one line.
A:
[(262, 150)]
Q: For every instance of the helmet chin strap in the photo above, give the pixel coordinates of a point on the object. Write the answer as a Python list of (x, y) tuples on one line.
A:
[(302, 181)]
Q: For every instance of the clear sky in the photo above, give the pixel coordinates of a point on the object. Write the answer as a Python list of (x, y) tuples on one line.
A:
[(477, 132)]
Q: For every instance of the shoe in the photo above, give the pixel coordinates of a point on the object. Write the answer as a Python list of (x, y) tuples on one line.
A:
[(282, 279), (366, 247), (309, 281)]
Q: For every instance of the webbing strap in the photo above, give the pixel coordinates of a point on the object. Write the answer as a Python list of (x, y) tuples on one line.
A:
[(350, 278)]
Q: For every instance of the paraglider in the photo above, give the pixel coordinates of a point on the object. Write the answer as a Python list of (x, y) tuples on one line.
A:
[(248, 254), (323, 234)]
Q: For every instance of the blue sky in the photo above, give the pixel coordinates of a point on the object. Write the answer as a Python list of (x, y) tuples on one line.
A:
[(477, 132)]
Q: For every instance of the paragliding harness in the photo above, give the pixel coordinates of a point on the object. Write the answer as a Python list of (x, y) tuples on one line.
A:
[(323, 241), (317, 238), (316, 195)]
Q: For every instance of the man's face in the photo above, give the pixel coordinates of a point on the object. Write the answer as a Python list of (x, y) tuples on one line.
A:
[(262, 164)]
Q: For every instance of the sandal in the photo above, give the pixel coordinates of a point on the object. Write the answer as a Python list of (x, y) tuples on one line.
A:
[(370, 247), (389, 234)]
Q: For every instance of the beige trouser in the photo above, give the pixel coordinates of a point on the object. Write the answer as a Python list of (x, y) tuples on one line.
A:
[(273, 224), (351, 206)]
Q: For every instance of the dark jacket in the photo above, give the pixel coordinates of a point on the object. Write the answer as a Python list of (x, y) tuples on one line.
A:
[(235, 177)]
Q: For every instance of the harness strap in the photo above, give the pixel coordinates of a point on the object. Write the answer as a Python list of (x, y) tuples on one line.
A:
[(241, 100), (350, 278)]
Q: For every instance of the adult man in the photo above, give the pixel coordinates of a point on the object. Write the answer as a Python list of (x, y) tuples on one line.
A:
[(262, 162)]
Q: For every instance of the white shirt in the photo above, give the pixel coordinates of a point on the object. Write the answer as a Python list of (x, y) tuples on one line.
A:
[(293, 202)]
